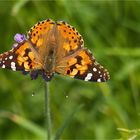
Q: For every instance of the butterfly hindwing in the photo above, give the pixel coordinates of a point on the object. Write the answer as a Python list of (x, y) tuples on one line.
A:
[(20, 58), (82, 65)]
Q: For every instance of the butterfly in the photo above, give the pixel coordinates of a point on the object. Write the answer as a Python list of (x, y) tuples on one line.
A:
[(54, 47)]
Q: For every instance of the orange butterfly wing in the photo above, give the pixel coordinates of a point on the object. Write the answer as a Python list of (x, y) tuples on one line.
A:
[(39, 34), (77, 61), (72, 39)]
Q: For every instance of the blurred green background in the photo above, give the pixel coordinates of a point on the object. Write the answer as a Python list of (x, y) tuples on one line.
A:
[(111, 30)]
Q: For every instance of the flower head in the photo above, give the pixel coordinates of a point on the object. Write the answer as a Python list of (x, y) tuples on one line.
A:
[(19, 38)]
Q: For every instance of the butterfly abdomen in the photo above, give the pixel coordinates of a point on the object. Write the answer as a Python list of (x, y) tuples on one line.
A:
[(49, 59)]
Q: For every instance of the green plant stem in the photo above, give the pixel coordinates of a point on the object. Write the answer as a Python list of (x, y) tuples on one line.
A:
[(47, 110)]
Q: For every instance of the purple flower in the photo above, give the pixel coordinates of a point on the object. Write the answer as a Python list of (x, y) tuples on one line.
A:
[(19, 38)]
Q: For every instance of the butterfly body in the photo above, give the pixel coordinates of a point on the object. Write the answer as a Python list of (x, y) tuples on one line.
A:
[(54, 47)]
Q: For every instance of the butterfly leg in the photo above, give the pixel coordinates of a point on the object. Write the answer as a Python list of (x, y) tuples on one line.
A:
[(25, 72), (34, 74)]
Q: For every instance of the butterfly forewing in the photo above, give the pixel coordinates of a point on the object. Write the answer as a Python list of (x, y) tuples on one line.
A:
[(70, 39), (8, 60), (39, 34)]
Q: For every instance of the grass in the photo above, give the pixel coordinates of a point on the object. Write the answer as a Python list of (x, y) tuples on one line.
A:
[(111, 31)]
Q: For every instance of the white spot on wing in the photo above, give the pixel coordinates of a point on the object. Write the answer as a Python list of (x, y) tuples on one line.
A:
[(94, 69), (13, 66), (5, 58), (99, 80), (10, 57), (88, 77), (3, 66), (101, 76)]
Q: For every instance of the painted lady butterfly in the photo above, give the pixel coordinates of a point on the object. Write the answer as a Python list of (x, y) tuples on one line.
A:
[(53, 47)]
